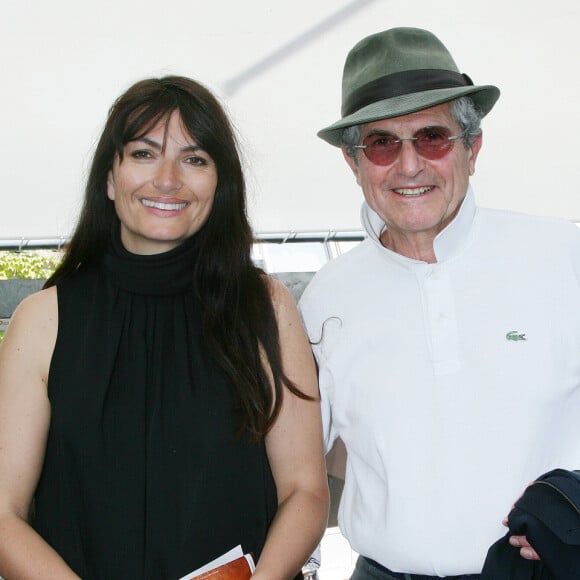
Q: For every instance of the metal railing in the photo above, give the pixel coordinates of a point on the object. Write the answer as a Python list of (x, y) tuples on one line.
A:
[(288, 237)]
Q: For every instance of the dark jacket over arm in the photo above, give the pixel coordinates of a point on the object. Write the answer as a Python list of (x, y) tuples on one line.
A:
[(548, 514)]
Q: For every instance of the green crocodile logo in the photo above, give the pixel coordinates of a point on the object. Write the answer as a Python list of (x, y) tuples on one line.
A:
[(515, 335)]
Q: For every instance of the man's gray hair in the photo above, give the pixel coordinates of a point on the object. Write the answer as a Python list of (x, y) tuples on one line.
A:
[(463, 110)]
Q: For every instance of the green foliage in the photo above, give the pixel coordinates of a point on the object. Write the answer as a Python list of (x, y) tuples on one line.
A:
[(29, 265)]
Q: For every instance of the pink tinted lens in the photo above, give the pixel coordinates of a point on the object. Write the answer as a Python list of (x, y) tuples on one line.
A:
[(381, 149), (433, 143)]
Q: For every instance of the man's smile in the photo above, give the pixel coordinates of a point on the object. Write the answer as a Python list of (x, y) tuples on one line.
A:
[(412, 191)]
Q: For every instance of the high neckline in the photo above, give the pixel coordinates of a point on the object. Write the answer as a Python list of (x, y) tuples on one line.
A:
[(157, 274)]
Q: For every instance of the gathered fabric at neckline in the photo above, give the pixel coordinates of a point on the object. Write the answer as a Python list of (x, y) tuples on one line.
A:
[(162, 274)]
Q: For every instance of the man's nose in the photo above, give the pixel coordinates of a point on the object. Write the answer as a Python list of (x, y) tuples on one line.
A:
[(409, 161)]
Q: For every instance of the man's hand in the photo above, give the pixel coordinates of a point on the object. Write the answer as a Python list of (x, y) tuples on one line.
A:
[(521, 542)]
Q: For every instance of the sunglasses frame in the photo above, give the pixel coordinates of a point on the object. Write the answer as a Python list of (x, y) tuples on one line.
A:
[(399, 142)]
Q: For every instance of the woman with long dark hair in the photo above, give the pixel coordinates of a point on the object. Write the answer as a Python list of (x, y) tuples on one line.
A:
[(158, 399)]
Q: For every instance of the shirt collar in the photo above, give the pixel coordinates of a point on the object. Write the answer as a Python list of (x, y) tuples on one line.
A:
[(447, 243)]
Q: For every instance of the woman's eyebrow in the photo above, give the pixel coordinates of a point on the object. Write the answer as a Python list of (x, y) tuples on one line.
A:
[(191, 148), (148, 141)]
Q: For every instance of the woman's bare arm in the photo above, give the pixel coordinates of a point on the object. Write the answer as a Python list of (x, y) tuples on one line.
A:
[(25, 355), (296, 455)]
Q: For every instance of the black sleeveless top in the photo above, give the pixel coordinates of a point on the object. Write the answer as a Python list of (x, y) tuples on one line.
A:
[(144, 477)]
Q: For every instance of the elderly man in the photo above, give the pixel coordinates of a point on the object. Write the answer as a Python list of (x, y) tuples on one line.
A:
[(448, 342)]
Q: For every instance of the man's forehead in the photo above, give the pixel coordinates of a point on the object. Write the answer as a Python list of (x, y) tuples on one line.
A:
[(439, 115)]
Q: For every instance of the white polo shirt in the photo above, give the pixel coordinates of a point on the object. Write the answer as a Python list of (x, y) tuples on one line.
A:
[(453, 385)]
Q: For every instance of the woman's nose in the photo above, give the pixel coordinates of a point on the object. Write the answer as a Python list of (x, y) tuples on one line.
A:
[(167, 177)]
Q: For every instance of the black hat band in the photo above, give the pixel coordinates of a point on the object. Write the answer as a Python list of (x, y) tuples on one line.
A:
[(403, 83)]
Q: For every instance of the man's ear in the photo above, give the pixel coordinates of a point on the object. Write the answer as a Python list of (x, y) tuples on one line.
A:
[(352, 164), (110, 185)]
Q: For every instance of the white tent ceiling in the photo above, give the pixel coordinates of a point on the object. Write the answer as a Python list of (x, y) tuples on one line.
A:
[(277, 68)]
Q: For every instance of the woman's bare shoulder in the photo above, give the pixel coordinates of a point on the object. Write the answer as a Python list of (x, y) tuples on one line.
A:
[(33, 328), (40, 308), (282, 298)]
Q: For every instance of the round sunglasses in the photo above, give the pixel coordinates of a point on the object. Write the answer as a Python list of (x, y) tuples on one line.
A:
[(430, 143)]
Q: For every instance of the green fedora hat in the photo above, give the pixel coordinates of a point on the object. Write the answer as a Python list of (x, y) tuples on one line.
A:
[(400, 71)]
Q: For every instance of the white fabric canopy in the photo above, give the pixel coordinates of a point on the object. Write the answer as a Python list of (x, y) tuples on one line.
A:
[(277, 68)]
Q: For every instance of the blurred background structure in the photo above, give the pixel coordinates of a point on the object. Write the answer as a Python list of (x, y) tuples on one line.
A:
[(277, 68)]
